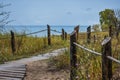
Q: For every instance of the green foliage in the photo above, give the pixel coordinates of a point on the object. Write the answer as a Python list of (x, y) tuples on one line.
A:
[(117, 14), (4, 16), (104, 27), (96, 28), (107, 17)]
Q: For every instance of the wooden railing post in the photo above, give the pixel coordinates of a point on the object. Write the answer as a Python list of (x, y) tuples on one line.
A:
[(77, 31), (44, 42), (110, 31), (13, 42), (117, 32), (49, 38), (94, 38), (88, 34), (105, 36), (63, 34), (73, 57), (106, 63)]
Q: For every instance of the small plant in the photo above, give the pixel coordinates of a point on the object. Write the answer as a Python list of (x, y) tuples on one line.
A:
[(61, 61)]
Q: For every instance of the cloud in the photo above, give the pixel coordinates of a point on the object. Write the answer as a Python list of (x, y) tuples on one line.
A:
[(69, 13), (88, 9)]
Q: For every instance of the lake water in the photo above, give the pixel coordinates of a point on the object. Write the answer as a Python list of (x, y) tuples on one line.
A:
[(34, 28)]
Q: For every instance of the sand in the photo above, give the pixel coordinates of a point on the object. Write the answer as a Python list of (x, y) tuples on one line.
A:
[(41, 70)]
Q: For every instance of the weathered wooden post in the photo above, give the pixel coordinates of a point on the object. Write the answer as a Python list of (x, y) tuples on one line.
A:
[(105, 36), (13, 42), (106, 63), (94, 38), (44, 42), (88, 34), (117, 35), (73, 57), (63, 34), (49, 38), (77, 31), (110, 31), (117, 32)]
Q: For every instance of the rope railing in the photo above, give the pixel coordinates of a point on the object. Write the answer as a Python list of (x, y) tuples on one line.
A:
[(113, 59), (97, 53), (106, 55), (55, 31), (32, 33), (12, 36), (87, 49), (26, 34)]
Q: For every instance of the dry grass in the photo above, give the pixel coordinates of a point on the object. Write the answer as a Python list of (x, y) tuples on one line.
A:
[(89, 65), (28, 46)]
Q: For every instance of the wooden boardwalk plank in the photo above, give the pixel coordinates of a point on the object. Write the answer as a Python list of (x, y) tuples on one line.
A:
[(9, 73), (22, 72), (9, 78), (13, 76), (15, 69), (13, 72)]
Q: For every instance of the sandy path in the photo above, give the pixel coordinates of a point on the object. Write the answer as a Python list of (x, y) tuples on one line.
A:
[(41, 70), (37, 69)]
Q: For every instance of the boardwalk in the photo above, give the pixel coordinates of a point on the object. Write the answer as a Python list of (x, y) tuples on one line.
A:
[(12, 72), (16, 70)]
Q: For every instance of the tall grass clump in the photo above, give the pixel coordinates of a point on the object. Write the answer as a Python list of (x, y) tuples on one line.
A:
[(62, 61)]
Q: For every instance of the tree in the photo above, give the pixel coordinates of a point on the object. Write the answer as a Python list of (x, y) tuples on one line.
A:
[(4, 15), (117, 14), (107, 18), (96, 27)]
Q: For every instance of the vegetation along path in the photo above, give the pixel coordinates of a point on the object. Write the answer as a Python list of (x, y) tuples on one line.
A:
[(16, 70)]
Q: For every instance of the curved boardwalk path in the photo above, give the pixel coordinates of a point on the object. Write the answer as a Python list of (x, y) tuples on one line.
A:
[(16, 70)]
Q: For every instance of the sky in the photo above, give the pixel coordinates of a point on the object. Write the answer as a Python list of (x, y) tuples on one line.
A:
[(57, 12)]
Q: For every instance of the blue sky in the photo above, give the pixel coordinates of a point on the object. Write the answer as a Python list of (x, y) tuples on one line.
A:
[(57, 12)]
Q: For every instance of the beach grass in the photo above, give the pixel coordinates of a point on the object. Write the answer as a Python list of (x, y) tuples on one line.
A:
[(27, 46), (88, 64)]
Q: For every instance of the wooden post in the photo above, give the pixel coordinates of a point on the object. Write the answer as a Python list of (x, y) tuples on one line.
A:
[(73, 57), (49, 38), (77, 31), (106, 63), (94, 38), (110, 31), (117, 32), (13, 42), (117, 35), (44, 42), (105, 36), (88, 34), (63, 34)]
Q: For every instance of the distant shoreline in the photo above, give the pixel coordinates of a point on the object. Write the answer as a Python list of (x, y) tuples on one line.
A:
[(34, 28)]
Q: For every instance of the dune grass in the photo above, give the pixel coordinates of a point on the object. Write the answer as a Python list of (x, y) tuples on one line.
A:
[(27, 46), (89, 65)]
